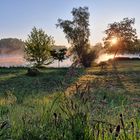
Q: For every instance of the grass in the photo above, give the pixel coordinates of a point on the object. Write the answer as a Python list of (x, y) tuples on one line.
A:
[(15, 81), (83, 105)]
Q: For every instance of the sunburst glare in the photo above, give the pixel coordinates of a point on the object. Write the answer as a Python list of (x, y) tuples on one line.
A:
[(114, 40)]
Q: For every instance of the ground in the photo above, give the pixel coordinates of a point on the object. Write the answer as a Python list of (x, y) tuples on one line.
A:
[(106, 94)]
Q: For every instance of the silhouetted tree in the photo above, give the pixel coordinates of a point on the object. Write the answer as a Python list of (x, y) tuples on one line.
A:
[(126, 37), (59, 55), (38, 47), (77, 32), (90, 55)]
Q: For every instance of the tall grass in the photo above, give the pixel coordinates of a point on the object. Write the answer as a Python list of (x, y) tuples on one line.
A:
[(66, 118), (42, 109)]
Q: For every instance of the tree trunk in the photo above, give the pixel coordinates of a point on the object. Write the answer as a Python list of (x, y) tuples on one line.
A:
[(115, 54)]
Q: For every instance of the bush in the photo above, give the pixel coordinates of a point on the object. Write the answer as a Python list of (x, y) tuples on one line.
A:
[(32, 72), (88, 57)]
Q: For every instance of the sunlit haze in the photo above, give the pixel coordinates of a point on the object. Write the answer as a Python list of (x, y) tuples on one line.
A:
[(114, 40)]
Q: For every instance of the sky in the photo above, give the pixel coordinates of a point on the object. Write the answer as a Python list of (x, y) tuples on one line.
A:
[(18, 17)]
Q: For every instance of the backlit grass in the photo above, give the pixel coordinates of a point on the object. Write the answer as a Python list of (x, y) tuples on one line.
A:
[(89, 104)]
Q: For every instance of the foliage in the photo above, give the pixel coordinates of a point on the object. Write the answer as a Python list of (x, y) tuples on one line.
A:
[(125, 34), (38, 47), (32, 72), (89, 55), (59, 55), (98, 46), (77, 32)]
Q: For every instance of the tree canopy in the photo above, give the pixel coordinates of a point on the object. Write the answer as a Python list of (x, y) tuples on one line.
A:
[(59, 55), (77, 32), (38, 47), (121, 37)]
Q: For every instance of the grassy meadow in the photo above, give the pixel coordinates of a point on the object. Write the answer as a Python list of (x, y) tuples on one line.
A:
[(71, 104)]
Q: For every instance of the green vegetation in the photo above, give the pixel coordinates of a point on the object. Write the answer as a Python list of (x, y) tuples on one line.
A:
[(121, 37), (38, 47), (77, 33), (71, 104), (59, 55)]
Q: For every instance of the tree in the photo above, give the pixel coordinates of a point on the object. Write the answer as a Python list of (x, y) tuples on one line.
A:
[(59, 55), (38, 47), (77, 32), (121, 37), (90, 55)]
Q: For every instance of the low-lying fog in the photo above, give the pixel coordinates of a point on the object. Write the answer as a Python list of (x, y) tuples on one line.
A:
[(11, 60), (18, 60)]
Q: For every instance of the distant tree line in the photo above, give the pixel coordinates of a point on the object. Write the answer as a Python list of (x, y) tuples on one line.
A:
[(11, 46)]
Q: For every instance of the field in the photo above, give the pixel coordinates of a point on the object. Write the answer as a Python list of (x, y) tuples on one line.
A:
[(76, 104)]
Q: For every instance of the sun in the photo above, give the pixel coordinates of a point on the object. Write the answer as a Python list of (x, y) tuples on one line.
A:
[(114, 40)]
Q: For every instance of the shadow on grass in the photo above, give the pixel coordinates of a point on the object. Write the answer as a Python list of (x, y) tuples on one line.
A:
[(112, 78), (50, 80), (116, 75)]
